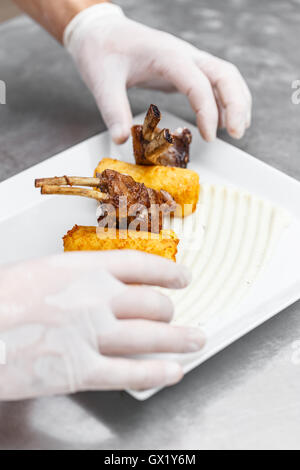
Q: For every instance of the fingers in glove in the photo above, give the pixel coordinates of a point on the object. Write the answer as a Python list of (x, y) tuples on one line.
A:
[(145, 337), (121, 374), (189, 80), (111, 97), (221, 110), (249, 113), (233, 92), (136, 267), (129, 266), (144, 303)]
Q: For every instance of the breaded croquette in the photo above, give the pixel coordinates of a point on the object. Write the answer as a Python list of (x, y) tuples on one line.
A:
[(182, 184), (96, 239)]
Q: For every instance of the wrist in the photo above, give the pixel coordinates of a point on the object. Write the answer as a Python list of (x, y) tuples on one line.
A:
[(73, 8), (53, 17), (85, 19)]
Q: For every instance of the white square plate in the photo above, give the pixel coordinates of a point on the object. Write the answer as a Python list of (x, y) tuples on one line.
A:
[(33, 226)]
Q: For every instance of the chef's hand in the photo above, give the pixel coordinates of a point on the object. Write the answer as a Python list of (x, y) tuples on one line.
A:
[(114, 53), (67, 321)]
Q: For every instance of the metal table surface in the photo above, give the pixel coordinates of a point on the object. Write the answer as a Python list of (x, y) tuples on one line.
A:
[(248, 396)]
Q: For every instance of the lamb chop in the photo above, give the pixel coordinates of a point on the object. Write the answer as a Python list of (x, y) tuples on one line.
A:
[(153, 146), (124, 203)]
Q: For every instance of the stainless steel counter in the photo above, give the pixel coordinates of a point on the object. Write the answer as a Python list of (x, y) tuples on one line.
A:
[(248, 396)]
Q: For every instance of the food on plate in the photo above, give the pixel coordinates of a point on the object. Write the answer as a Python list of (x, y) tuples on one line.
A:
[(94, 239), (140, 206), (134, 199), (123, 202), (182, 184), (154, 146)]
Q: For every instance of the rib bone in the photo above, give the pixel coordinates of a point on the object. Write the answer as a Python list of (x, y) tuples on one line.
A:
[(69, 191), (67, 181), (158, 145), (151, 122)]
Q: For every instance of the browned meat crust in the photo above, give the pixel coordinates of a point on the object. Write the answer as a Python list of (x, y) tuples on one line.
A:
[(153, 146), (131, 203)]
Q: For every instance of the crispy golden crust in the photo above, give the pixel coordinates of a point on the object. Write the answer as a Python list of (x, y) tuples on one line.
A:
[(182, 184), (90, 239)]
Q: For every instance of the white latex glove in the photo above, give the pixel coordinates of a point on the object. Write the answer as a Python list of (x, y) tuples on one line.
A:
[(114, 53), (67, 320)]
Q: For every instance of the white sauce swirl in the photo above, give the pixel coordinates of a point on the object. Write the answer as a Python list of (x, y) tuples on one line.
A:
[(226, 243)]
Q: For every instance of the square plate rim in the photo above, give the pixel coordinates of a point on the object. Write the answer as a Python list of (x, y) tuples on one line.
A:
[(11, 182)]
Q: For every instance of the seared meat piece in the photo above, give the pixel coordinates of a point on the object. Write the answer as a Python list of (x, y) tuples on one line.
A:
[(117, 185), (124, 203), (135, 205), (153, 146), (150, 152), (179, 153)]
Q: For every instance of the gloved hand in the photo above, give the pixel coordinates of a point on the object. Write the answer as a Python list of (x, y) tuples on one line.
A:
[(114, 53), (67, 321)]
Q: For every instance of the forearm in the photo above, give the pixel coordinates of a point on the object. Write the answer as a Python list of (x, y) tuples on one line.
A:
[(54, 15)]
